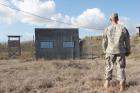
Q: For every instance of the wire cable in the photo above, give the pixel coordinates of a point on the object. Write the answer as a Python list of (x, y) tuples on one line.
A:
[(49, 18)]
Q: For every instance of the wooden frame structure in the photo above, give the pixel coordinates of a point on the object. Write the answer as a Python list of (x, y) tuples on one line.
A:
[(14, 47), (139, 30)]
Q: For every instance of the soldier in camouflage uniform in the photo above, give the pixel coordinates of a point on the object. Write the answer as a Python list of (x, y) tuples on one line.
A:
[(116, 45)]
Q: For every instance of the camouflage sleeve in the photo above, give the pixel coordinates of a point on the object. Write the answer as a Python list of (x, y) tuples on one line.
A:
[(104, 41), (127, 40)]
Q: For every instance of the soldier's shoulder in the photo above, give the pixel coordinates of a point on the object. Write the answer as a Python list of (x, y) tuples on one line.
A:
[(124, 29), (108, 28), (121, 26)]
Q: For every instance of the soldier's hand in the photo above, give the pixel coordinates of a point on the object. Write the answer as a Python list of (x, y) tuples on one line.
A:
[(127, 53)]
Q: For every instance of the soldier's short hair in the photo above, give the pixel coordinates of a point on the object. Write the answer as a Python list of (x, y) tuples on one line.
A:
[(115, 16)]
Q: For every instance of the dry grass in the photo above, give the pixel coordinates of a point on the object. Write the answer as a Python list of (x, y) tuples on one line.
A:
[(80, 76)]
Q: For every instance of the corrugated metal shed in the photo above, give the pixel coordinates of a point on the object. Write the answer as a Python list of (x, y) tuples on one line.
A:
[(57, 43)]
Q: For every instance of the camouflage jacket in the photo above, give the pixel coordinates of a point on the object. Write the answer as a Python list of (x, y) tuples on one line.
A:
[(116, 40)]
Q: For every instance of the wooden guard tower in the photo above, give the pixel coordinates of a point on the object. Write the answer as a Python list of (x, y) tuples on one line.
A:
[(139, 30), (14, 48)]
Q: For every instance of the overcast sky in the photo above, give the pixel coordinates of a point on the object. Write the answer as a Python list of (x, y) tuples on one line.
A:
[(83, 13)]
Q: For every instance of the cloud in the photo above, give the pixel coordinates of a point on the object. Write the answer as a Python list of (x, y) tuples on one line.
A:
[(7, 15), (47, 9), (43, 9), (91, 18)]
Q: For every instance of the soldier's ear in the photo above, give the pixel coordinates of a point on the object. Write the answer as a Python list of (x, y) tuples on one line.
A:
[(110, 19), (118, 19)]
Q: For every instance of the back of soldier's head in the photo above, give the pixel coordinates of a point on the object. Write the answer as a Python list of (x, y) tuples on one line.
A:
[(114, 17)]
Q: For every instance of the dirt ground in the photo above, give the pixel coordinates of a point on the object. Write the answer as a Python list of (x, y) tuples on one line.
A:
[(57, 76)]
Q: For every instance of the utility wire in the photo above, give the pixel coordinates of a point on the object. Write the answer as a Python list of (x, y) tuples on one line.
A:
[(49, 18)]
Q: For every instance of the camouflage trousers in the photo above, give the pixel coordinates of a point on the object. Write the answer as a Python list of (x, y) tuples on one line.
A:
[(119, 60)]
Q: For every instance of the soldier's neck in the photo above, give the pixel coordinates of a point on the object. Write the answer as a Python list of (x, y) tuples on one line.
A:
[(114, 23)]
